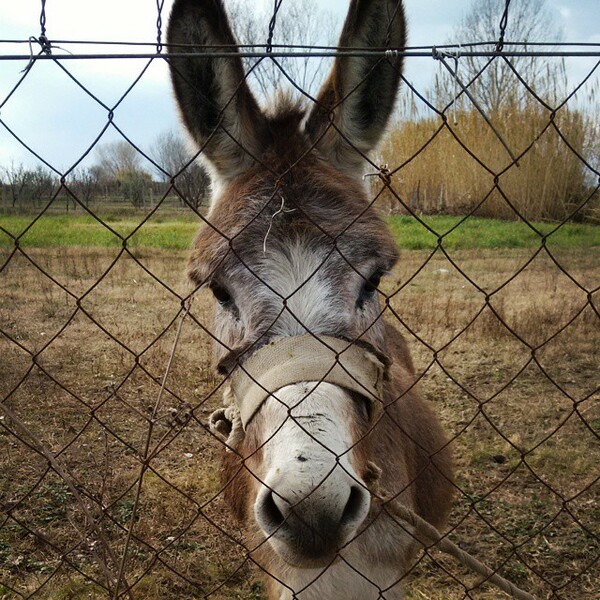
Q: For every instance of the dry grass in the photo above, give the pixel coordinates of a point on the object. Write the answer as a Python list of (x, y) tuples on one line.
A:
[(549, 182), (527, 458), (523, 442)]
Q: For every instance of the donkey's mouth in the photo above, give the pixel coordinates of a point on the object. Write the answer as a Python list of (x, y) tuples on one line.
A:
[(305, 561), (314, 550)]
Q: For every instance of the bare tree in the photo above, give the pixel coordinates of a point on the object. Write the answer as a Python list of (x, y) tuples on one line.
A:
[(29, 185), (189, 177), (299, 23), (117, 157), (16, 179), (528, 21), (43, 184), (85, 184)]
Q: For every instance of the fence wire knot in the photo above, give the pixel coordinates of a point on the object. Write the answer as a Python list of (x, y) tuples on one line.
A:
[(383, 172), (45, 48), (226, 422)]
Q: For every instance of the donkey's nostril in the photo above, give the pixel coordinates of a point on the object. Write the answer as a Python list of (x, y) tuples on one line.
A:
[(355, 507), (270, 511)]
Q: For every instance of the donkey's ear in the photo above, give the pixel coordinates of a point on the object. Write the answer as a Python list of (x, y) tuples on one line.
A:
[(214, 99), (355, 103)]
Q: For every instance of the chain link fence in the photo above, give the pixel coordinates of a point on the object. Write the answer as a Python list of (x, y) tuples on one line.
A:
[(111, 483)]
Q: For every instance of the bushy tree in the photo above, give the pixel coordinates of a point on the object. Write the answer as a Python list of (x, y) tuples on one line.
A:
[(119, 170), (135, 186), (176, 163), (117, 157)]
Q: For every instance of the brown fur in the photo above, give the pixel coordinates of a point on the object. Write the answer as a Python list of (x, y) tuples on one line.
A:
[(407, 444)]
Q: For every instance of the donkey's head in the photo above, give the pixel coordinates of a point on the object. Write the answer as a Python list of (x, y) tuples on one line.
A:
[(293, 249)]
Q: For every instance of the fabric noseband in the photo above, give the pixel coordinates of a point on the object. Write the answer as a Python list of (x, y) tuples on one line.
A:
[(291, 360)]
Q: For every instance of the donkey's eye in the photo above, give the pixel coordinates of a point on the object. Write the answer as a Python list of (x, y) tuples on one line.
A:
[(221, 295), (363, 409), (369, 288), (371, 285)]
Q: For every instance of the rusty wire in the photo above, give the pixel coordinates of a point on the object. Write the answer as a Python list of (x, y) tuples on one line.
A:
[(101, 524)]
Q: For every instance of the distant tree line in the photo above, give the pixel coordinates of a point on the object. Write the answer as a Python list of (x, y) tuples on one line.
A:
[(119, 173)]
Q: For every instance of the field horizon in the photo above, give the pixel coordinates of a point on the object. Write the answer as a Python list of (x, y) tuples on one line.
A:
[(176, 231)]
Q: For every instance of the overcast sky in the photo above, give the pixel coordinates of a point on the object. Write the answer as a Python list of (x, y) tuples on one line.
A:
[(59, 121)]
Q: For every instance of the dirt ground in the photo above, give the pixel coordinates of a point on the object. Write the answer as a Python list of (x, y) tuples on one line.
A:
[(83, 351)]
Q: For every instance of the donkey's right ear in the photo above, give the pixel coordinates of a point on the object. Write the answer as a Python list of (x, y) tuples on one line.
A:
[(215, 101), (356, 102)]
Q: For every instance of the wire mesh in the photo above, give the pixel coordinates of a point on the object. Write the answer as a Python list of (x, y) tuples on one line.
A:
[(110, 478)]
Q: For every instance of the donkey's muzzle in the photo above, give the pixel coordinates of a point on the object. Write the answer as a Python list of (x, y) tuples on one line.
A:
[(307, 530)]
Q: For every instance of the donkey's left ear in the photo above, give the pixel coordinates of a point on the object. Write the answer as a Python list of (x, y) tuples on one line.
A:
[(355, 103)]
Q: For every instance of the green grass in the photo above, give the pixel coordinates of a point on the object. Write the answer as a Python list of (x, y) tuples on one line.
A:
[(177, 232), (169, 233), (476, 232)]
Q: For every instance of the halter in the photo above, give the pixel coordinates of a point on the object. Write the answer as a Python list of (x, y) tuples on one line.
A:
[(291, 360)]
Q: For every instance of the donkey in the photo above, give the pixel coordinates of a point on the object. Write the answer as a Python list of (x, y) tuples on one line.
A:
[(294, 253)]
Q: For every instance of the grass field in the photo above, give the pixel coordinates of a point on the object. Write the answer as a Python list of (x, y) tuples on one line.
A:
[(525, 425), (177, 232)]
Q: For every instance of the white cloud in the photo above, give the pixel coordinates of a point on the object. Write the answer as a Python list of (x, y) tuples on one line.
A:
[(565, 12)]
